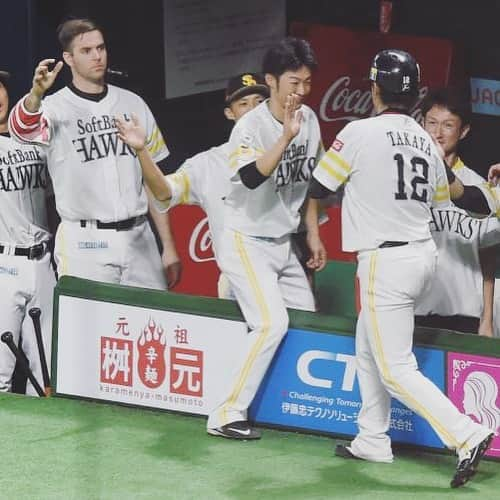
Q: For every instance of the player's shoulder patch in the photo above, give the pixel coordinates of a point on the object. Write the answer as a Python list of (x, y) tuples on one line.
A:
[(337, 145)]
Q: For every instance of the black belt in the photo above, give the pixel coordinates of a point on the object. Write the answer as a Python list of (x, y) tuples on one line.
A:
[(32, 253), (388, 244), (121, 225)]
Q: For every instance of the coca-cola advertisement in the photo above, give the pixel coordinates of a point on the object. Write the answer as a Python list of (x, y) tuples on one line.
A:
[(194, 245), (341, 89)]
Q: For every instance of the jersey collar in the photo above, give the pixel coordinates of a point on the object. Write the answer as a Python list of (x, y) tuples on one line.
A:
[(85, 95)]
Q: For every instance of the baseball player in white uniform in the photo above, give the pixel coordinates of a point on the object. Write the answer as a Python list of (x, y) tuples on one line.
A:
[(273, 150), (104, 234), (461, 294), (26, 276), (204, 179), (393, 174)]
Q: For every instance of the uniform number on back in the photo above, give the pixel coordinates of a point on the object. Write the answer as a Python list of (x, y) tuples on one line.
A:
[(419, 174)]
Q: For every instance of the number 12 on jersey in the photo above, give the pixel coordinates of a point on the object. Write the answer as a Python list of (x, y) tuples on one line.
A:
[(419, 174)]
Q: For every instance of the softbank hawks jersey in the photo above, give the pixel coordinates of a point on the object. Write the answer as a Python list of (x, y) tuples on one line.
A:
[(272, 209), (457, 287), (95, 175), (393, 175), (202, 180), (24, 184)]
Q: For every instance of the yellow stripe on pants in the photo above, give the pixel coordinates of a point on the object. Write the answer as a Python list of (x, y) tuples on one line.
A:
[(383, 364), (264, 311)]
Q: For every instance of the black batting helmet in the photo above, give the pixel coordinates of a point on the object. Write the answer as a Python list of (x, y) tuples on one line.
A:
[(396, 71)]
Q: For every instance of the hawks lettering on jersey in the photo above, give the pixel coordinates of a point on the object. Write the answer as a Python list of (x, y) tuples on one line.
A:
[(94, 174), (24, 186), (98, 138), (22, 169), (272, 209)]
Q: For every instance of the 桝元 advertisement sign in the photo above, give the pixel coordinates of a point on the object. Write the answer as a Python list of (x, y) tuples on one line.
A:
[(146, 357)]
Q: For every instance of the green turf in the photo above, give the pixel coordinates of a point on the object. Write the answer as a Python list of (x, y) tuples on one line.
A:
[(66, 449)]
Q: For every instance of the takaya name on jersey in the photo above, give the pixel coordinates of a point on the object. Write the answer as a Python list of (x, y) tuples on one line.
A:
[(394, 175), (272, 209)]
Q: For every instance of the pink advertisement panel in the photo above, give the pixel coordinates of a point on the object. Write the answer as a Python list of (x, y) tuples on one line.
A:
[(473, 386)]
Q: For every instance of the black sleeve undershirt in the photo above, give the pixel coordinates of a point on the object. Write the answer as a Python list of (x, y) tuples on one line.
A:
[(251, 177), (317, 190), (473, 200)]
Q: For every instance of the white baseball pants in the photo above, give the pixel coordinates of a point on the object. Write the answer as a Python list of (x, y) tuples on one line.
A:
[(25, 284), (391, 279), (266, 278), (129, 257)]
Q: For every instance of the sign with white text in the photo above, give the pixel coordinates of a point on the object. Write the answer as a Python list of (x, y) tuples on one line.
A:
[(146, 357)]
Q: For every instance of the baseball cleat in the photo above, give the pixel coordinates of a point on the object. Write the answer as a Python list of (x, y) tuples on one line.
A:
[(467, 466), (236, 430), (341, 450)]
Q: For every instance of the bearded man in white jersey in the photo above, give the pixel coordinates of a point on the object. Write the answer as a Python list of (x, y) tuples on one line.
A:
[(461, 295), (26, 276), (104, 234), (393, 174)]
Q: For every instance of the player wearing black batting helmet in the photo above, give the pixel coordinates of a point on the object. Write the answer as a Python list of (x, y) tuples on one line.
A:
[(396, 71)]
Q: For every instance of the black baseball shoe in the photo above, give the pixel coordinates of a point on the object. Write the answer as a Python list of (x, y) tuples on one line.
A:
[(466, 467), (236, 430), (341, 450)]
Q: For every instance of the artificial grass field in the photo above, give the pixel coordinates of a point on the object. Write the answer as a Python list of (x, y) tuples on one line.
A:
[(66, 449)]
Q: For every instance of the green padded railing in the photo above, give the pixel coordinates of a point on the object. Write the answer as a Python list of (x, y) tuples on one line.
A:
[(211, 307)]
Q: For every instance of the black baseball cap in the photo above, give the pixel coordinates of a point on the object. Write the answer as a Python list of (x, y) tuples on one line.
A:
[(4, 76), (245, 84)]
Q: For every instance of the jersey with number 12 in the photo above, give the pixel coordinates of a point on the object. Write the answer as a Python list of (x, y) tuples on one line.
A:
[(393, 175)]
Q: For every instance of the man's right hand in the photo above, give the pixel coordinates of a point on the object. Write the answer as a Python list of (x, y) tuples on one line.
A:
[(43, 79), (494, 174)]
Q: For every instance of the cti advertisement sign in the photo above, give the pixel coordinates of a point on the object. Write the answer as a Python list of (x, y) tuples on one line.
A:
[(132, 355), (312, 384)]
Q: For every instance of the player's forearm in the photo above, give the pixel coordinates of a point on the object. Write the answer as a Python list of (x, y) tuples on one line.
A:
[(33, 101), (487, 259), (311, 217), (162, 224), (268, 162), (153, 176)]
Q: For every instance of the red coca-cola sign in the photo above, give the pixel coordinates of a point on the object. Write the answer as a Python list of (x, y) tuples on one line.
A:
[(341, 89), (194, 245)]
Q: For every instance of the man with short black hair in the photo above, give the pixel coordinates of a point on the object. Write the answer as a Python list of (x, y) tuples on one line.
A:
[(272, 152), (461, 294), (104, 234)]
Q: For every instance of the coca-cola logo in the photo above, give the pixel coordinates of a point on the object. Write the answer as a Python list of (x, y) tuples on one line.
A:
[(343, 103), (200, 243)]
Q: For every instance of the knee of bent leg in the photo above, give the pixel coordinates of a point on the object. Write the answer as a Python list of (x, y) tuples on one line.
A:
[(278, 323)]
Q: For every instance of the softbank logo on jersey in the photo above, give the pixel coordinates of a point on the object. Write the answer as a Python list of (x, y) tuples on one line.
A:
[(295, 165), (22, 170), (341, 102), (306, 360), (98, 139)]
